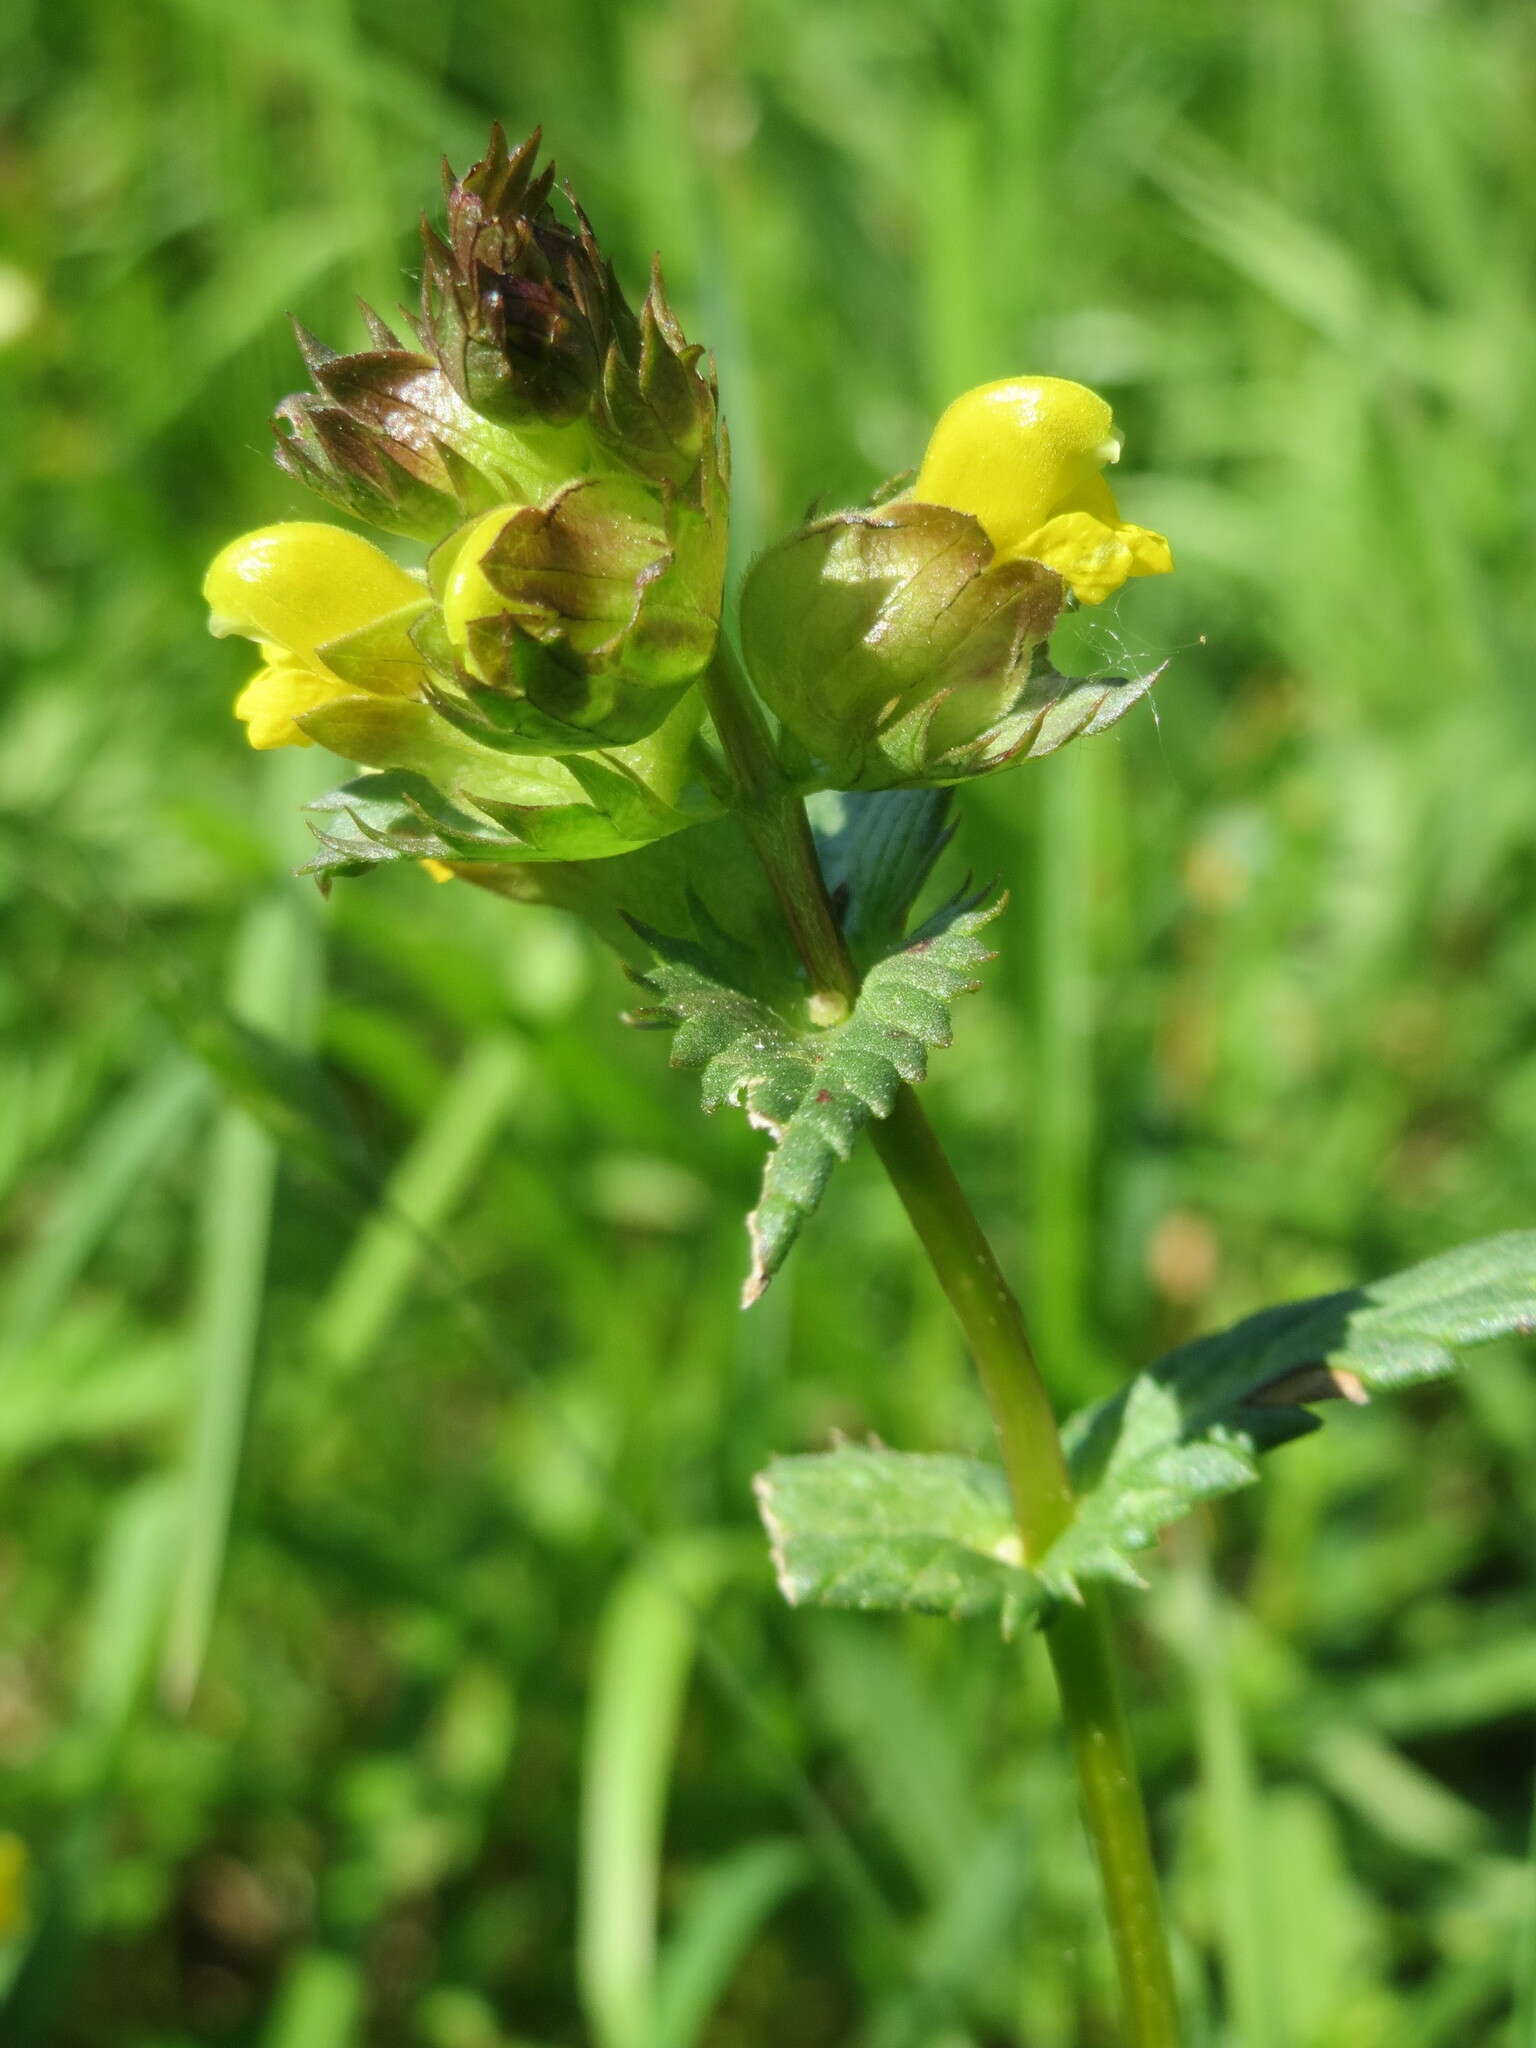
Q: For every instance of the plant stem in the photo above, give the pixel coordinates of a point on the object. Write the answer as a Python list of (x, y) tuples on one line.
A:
[(776, 823), (962, 1259), (1082, 1648), (1079, 1638)]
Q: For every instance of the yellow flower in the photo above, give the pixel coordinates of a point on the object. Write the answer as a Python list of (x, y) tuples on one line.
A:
[(1024, 457), (331, 614)]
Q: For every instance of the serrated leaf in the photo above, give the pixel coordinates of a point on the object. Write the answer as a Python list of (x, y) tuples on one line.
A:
[(876, 1528), (1058, 709), (1192, 1426), (813, 1090), (862, 1526)]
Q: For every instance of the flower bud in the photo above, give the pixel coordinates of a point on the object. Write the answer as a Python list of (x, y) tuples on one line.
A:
[(514, 302), (530, 327), (903, 643), (564, 455)]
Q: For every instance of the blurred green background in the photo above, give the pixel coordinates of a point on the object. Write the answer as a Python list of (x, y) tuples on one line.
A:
[(388, 1653)]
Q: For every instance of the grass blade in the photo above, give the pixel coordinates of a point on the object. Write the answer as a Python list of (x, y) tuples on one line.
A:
[(274, 973), (319, 2005), (1522, 2028), (1231, 1801), (133, 1573), (433, 1178), (724, 1910), (645, 1645), (144, 1124)]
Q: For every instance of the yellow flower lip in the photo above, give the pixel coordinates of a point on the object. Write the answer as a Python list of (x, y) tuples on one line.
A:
[(302, 589), (1024, 457)]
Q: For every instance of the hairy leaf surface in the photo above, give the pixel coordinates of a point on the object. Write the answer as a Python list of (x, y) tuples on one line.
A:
[(813, 1090), (861, 1526), (870, 1527), (1192, 1425)]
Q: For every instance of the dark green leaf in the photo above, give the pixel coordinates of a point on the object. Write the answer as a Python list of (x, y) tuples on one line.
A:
[(1192, 1426), (877, 848)]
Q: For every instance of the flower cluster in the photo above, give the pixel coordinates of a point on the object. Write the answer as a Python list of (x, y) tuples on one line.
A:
[(561, 455), (559, 460)]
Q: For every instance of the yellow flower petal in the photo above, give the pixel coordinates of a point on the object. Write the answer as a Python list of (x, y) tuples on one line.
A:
[(278, 694), (1094, 496), (1083, 551), (1150, 551), (302, 583), (439, 870), (1013, 452), (1094, 556)]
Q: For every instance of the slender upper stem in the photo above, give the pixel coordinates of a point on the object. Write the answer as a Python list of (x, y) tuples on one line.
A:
[(780, 831), (1079, 1638)]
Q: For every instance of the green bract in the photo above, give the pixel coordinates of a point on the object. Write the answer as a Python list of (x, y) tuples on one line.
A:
[(490, 805)]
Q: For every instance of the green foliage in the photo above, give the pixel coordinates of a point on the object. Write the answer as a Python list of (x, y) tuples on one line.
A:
[(875, 1528), (1192, 1426), (587, 807), (395, 816), (876, 850), (811, 1089)]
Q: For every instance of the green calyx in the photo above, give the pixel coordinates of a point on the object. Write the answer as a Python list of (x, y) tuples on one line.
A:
[(579, 621), (898, 651)]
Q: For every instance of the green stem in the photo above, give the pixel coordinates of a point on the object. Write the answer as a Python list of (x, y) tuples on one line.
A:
[(962, 1259), (776, 823), (1079, 1639), (1082, 1646)]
